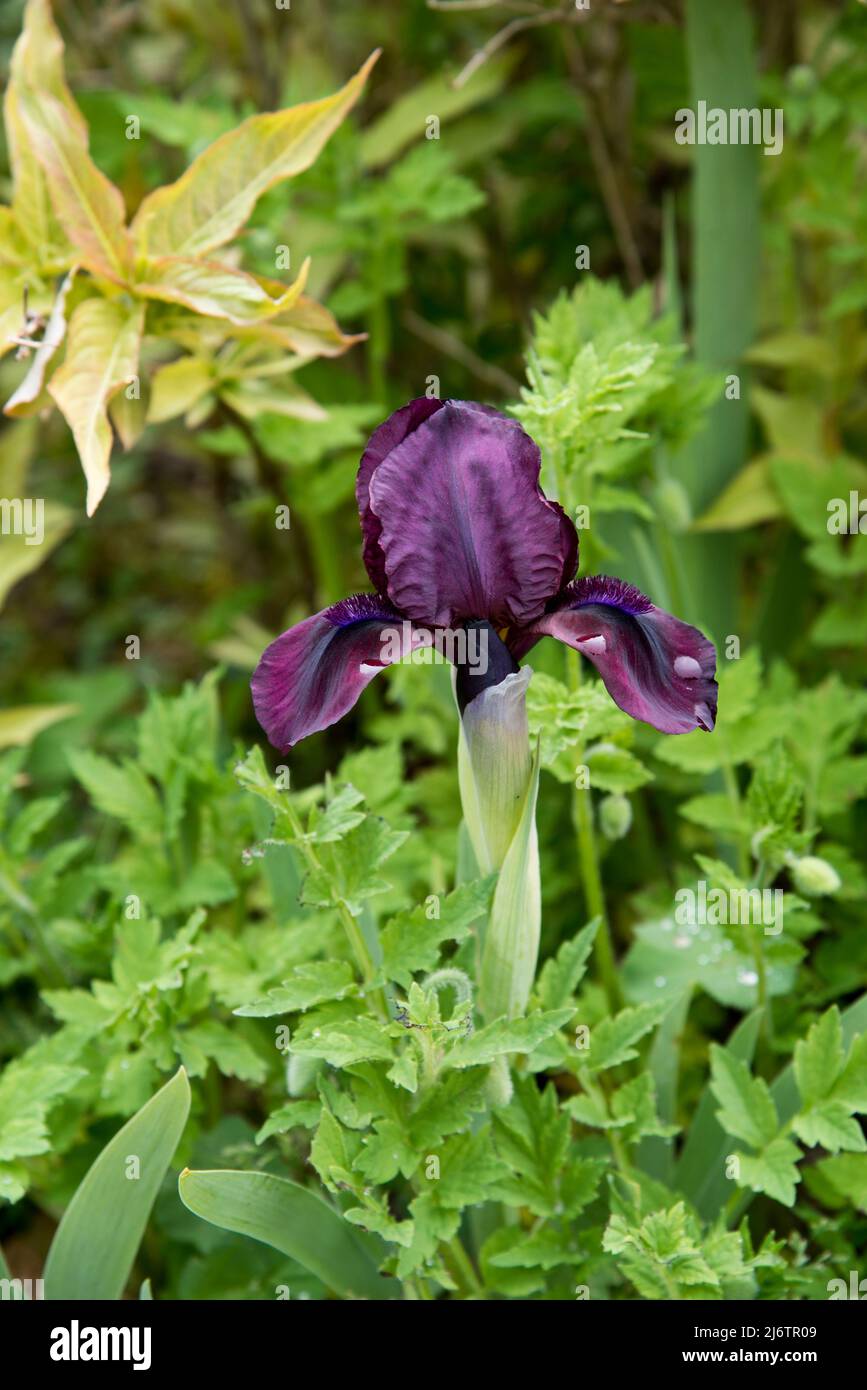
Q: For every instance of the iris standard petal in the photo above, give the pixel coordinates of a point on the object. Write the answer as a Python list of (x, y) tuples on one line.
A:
[(387, 437), (654, 666), (465, 530), (308, 678)]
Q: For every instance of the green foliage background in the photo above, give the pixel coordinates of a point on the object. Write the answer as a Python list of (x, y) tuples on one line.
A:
[(149, 777)]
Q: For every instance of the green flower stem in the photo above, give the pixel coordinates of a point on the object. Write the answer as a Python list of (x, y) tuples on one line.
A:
[(598, 1091), (457, 1262), (363, 958), (357, 943), (460, 1266), (765, 1001), (582, 811), (588, 859), (379, 344), (416, 1290), (730, 782)]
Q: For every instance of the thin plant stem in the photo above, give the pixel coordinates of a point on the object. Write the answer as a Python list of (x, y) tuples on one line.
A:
[(765, 999), (353, 931), (730, 782), (591, 877), (582, 810), (461, 1267)]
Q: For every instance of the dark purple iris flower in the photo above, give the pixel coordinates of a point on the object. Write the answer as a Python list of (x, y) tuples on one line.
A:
[(459, 535)]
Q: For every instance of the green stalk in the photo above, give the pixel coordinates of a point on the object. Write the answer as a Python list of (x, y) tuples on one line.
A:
[(460, 1267), (380, 332), (765, 1001), (354, 935), (588, 859)]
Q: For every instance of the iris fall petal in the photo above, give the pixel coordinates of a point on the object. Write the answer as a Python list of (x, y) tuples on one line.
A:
[(313, 674), (654, 666)]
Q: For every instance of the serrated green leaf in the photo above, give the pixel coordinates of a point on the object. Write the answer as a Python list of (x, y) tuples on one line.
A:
[(561, 974), (385, 1152), (467, 1168), (747, 1110), (28, 1087), (448, 1107), (504, 1036), (830, 1124), (344, 1043), (232, 1053), (348, 871), (773, 1170), (613, 1040), (818, 1058), (309, 984), (851, 1085), (411, 940), (296, 1114)]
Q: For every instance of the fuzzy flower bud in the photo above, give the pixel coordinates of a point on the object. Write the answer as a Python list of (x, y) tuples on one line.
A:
[(615, 817), (814, 877)]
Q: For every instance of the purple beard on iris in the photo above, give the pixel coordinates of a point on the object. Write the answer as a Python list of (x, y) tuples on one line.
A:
[(458, 535)]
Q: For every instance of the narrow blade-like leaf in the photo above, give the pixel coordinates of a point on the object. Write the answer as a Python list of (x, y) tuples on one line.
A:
[(96, 1242), (288, 1217)]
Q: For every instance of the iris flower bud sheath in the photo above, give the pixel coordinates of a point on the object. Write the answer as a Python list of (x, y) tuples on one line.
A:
[(499, 784)]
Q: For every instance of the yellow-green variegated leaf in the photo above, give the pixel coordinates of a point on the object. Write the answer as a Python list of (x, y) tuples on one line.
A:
[(30, 201), (21, 724), (211, 202), (129, 415), (215, 290), (11, 307), (747, 500), (199, 413), (177, 387), (88, 206), (13, 247), (26, 546), (101, 357), (253, 398), (309, 329), (37, 62), (26, 398)]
